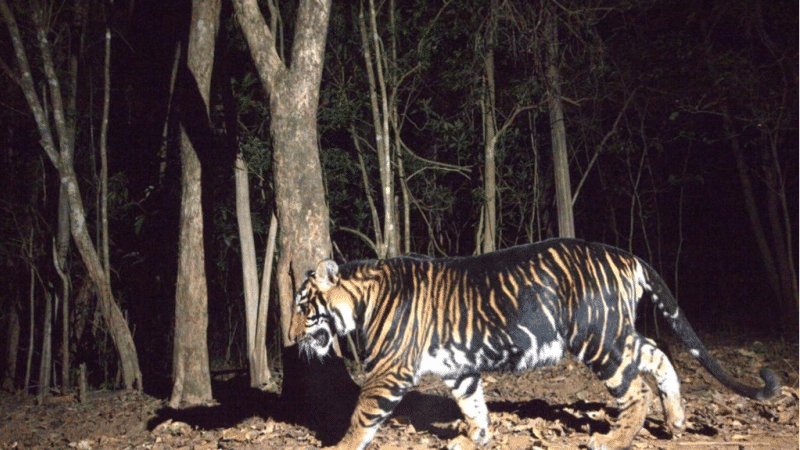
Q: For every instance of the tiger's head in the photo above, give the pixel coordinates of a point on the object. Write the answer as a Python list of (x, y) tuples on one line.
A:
[(322, 309)]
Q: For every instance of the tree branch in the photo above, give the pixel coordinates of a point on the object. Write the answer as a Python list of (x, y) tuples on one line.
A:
[(261, 42), (28, 89)]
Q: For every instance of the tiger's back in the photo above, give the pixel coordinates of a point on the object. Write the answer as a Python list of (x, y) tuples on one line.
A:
[(509, 310)]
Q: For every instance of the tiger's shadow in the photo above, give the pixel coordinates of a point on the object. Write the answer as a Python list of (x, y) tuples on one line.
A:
[(437, 415)]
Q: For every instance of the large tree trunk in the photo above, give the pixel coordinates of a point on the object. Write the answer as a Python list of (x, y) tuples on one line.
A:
[(191, 377), (303, 236), (566, 223), (317, 392)]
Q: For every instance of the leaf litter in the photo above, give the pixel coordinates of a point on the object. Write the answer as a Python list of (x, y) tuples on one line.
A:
[(553, 408)]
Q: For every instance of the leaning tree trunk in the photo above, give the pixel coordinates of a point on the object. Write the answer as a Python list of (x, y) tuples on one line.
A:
[(253, 308), (191, 376), (61, 155)]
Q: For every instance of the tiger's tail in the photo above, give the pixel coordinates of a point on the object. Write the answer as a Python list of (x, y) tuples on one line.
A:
[(666, 302)]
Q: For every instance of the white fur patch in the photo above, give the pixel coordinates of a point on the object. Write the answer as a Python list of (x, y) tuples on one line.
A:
[(344, 319), (537, 355), (442, 363)]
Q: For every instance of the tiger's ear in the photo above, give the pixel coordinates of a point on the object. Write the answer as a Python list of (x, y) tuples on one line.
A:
[(326, 275)]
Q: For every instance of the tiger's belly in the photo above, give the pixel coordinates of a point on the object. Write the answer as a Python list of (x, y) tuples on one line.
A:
[(455, 361)]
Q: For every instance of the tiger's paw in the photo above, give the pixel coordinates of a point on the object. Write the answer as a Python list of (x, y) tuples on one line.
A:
[(473, 437), (675, 421), (676, 429), (461, 443), (610, 441)]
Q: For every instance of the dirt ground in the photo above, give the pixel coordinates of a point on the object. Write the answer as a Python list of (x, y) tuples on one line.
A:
[(550, 408)]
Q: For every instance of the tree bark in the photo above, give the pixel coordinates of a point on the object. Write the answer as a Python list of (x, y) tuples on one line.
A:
[(191, 376), (558, 133), (303, 237)]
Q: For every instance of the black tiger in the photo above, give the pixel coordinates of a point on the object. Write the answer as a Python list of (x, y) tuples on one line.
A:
[(509, 310)]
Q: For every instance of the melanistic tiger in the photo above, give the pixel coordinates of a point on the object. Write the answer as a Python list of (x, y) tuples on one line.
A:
[(509, 310)]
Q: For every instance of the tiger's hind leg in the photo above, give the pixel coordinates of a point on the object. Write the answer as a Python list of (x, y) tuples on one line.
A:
[(468, 393), (633, 405), (656, 363), (633, 396)]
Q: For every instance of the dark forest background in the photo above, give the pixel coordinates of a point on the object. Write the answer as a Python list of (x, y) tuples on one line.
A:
[(672, 109)]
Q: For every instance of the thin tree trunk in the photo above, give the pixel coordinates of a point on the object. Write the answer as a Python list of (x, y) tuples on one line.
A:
[(788, 296), (12, 347), (32, 322), (60, 263), (752, 208), (44, 359), (261, 357), (490, 138), (566, 223), (248, 248), (376, 222), (105, 259), (380, 120), (191, 376), (162, 152), (259, 372), (406, 196), (384, 145)]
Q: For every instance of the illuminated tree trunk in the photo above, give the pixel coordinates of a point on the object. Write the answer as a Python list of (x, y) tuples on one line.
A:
[(558, 133), (303, 233), (256, 299), (191, 377), (490, 138), (320, 394)]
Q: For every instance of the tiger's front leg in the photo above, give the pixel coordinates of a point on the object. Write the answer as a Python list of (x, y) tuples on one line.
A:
[(378, 398), (468, 393)]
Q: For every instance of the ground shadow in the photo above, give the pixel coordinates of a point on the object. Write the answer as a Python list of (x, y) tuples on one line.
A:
[(324, 398), (319, 396), (427, 412)]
